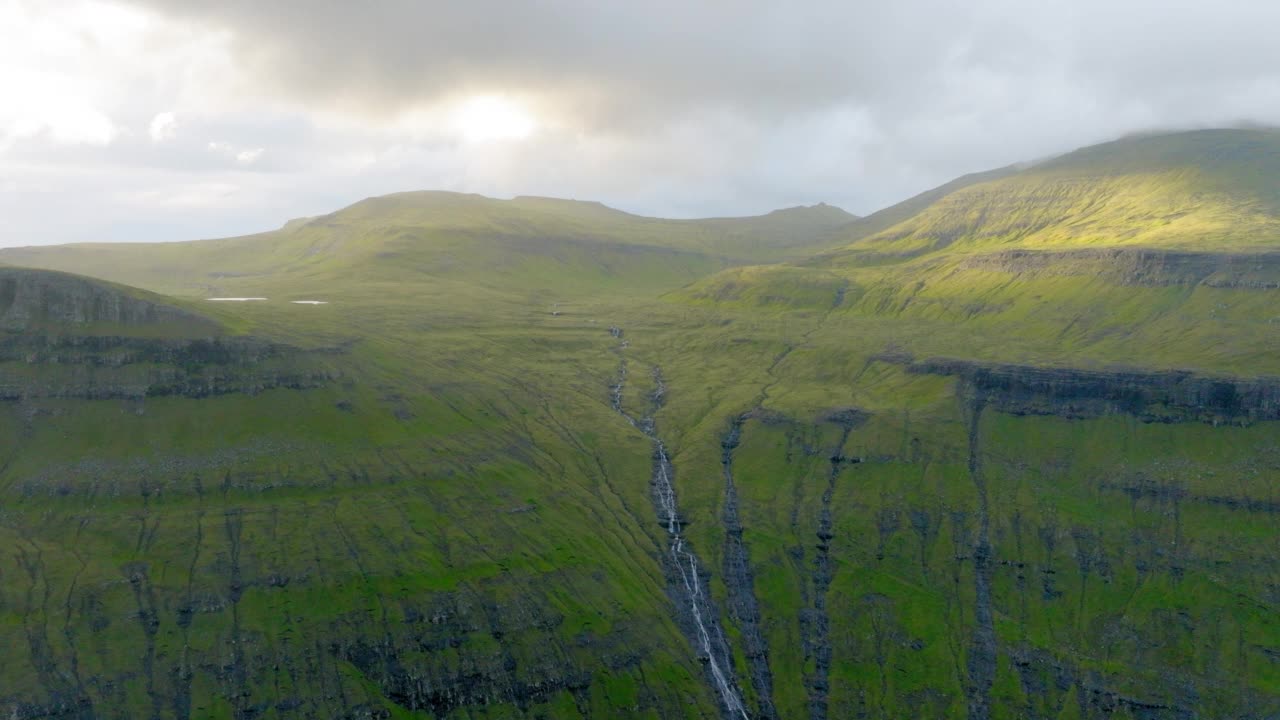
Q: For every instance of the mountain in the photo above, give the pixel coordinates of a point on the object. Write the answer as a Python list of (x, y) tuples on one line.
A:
[(1155, 250), (1006, 449), (527, 244), (1203, 190)]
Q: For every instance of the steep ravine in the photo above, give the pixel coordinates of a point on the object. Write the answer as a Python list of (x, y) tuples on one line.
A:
[(816, 627), (696, 613), (982, 648), (744, 608)]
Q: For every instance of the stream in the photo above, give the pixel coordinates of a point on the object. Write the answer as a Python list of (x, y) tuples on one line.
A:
[(708, 636)]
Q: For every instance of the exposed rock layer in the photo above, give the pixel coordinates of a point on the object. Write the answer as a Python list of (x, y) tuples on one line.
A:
[(1164, 396)]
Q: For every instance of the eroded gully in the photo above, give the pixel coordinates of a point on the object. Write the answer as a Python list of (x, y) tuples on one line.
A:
[(696, 613)]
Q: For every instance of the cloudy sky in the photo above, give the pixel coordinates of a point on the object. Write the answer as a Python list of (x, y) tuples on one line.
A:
[(180, 119)]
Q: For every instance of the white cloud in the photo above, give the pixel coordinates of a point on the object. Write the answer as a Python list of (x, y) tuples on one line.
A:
[(249, 157), (49, 106), (241, 155), (80, 72), (164, 126), (186, 196), (62, 120), (47, 75)]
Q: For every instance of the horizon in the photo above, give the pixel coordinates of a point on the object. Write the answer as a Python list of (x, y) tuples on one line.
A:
[(854, 216)]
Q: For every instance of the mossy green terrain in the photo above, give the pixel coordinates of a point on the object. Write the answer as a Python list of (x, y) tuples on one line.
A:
[(932, 463)]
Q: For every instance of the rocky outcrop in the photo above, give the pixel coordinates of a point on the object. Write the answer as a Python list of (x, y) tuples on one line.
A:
[(1159, 396)]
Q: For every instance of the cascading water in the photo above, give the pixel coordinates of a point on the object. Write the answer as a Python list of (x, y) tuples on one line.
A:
[(708, 635), (687, 563)]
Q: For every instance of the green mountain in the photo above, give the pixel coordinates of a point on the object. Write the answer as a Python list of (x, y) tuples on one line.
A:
[(1005, 450), (529, 244), (1204, 190)]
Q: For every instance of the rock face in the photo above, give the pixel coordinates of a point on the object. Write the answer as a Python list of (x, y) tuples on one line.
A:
[(31, 299), (1170, 396), (63, 336)]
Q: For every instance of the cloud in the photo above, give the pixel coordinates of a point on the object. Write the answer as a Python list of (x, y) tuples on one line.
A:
[(185, 196), (46, 99), (241, 156), (664, 107), (619, 66), (163, 127), (63, 123), (47, 107), (249, 157)]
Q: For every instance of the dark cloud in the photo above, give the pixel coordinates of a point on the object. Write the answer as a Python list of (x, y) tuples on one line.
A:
[(615, 61)]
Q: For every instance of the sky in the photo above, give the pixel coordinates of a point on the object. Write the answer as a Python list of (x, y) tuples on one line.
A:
[(157, 120)]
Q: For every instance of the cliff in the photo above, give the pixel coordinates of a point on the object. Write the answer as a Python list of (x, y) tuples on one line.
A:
[(64, 336), (1164, 396), (40, 299)]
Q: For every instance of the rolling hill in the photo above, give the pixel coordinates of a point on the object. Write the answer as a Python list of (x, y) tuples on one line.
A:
[(523, 245), (1005, 450)]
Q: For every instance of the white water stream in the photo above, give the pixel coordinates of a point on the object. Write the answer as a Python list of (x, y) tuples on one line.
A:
[(686, 562)]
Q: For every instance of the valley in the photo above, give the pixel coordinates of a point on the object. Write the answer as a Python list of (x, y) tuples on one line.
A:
[(1009, 449)]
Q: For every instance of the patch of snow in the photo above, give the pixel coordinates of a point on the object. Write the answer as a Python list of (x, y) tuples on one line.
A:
[(235, 299), (310, 302)]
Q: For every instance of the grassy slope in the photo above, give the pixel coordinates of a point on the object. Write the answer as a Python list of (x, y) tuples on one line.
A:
[(470, 463)]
